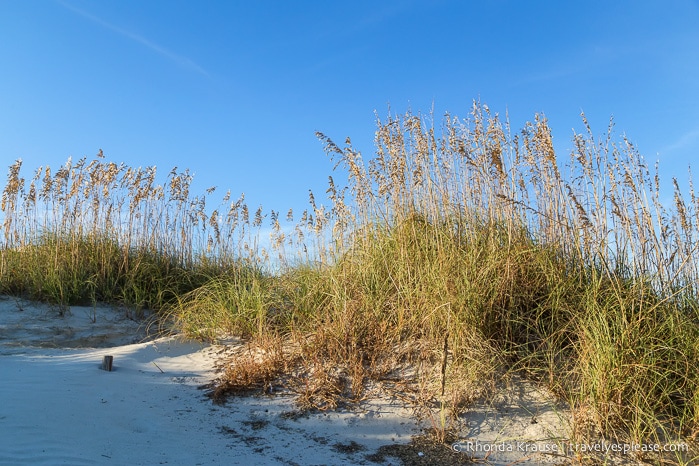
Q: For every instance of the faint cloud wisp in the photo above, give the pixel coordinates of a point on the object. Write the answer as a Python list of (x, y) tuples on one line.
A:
[(179, 59), (686, 140)]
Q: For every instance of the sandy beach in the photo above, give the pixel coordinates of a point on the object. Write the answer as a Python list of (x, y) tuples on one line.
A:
[(57, 406)]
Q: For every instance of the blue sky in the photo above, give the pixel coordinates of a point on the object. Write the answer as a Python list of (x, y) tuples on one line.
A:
[(234, 90)]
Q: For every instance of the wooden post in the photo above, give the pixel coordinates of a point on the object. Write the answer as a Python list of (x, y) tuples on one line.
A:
[(107, 363)]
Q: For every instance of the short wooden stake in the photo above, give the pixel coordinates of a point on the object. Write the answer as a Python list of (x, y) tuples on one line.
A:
[(107, 363)]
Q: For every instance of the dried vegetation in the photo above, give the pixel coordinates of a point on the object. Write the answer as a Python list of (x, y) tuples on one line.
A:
[(456, 255)]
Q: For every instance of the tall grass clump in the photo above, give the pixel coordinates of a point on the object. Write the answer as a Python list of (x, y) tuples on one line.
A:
[(460, 253), (97, 230), (569, 270)]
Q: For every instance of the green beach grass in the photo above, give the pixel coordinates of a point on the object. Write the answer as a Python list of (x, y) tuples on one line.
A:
[(460, 248)]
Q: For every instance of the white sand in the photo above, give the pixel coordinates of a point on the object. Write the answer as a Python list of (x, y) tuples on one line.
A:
[(58, 407)]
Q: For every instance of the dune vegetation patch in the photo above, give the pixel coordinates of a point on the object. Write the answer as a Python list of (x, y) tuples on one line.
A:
[(462, 253)]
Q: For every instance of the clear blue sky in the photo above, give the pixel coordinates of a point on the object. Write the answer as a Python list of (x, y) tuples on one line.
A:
[(235, 90)]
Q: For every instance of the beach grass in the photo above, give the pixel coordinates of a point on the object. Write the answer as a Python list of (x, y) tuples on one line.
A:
[(459, 254)]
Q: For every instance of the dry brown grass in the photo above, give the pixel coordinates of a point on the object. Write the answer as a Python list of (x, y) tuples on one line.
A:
[(257, 368)]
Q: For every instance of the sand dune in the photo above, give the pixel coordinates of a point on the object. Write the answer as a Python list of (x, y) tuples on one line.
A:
[(57, 406)]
